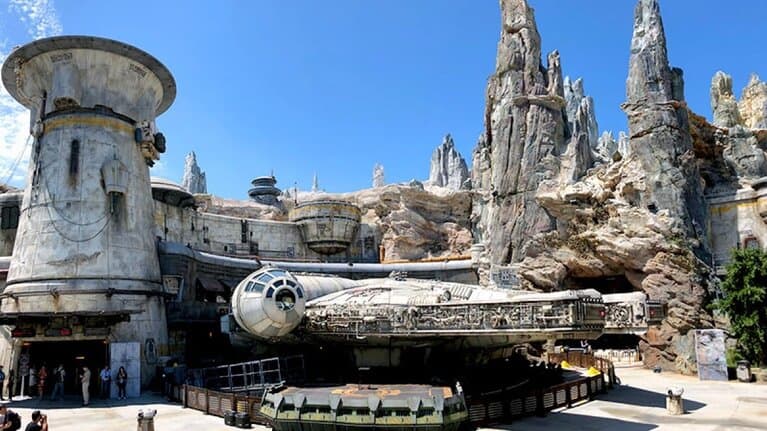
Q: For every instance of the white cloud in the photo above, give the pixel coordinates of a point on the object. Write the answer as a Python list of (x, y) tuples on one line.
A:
[(38, 16), (40, 19)]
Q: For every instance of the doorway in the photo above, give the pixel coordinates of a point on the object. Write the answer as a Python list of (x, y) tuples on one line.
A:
[(73, 355)]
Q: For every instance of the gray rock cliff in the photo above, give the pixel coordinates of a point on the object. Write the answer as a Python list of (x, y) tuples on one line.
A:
[(379, 179), (638, 217), (753, 104), (609, 149), (448, 168), (723, 103), (194, 179), (523, 137), (659, 127), (583, 131)]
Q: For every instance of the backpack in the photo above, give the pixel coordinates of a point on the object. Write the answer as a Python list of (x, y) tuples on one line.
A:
[(14, 419)]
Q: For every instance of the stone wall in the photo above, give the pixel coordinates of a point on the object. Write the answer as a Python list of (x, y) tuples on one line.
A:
[(269, 239), (737, 222)]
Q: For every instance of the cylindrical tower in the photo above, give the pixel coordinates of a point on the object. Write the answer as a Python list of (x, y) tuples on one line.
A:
[(85, 251)]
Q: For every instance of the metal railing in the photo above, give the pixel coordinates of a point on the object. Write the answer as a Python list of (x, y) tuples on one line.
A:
[(252, 375), (217, 403), (499, 406), (503, 407)]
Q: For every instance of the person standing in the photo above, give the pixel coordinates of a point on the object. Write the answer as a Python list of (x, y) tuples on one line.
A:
[(58, 387), (122, 381), (106, 381), (42, 377), (2, 382), (85, 381), (11, 382), (32, 381)]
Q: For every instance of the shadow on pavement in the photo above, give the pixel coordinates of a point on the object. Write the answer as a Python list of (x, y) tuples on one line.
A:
[(575, 421), (74, 401), (644, 398)]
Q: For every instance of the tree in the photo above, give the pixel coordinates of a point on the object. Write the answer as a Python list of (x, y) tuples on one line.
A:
[(745, 302)]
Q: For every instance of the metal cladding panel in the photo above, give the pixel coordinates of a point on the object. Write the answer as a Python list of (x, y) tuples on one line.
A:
[(126, 355)]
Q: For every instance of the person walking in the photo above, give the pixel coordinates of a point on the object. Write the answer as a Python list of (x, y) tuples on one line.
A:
[(106, 381), (58, 386), (122, 381), (85, 381), (42, 377), (2, 382)]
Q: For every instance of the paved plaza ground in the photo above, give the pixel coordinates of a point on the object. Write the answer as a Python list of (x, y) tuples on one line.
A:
[(637, 405)]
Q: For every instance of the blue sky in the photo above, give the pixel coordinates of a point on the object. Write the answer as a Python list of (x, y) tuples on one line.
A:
[(333, 87)]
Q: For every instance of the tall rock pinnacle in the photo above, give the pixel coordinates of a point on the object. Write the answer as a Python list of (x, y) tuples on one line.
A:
[(658, 127), (194, 179), (523, 137), (448, 169)]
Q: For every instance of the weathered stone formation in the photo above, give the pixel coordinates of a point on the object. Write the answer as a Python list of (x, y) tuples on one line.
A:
[(638, 218), (410, 222), (609, 149), (414, 223), (194, 179), (448, 168), (315, 184), (659, 129), (524, 135), (582, 127), (378, 176), (723, 103), (737, 134), (753, 104), (578, 104)]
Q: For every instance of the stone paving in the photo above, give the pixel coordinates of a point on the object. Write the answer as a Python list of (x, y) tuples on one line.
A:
[(114, 415), (637, 405)]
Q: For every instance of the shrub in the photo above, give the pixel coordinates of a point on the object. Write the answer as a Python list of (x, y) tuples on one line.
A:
[(745, 302)]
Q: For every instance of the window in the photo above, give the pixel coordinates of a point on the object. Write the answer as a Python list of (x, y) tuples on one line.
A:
[(74, 157), (9, 217), (751, 242)]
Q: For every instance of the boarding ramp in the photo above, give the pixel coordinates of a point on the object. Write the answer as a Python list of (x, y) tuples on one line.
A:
[(253, 376)]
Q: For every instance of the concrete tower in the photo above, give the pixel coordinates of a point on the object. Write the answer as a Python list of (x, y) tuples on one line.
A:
[(85, 260)]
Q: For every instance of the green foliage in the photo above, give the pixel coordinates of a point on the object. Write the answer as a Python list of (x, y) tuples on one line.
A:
[(733, 356), (745, 302)]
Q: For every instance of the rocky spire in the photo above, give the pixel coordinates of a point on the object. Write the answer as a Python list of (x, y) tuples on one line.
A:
[(582, 125), (610, 149), (315, 183), (723, 103), (753, 104), (659, 129), (378, 176), (448, 169), (524, 135), (194, 179)]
